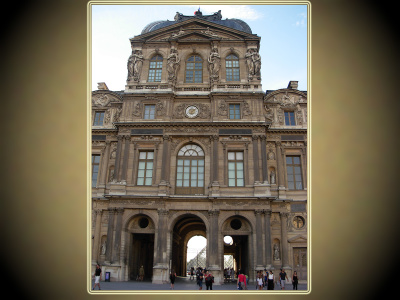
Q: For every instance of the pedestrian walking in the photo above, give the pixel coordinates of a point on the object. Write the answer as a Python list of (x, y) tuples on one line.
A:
[(141, 273), (97, 276), (295, 280), (199, 278), (283, 277), (209, 279), (191, 273), (172, 277), (271, 281), (260, 281), (241, 281)]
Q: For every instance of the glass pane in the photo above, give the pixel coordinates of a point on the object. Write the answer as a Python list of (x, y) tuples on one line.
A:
[(231, 166), (200, 183), (179, 169), (191, 58), (240, 182), (297, 170), (148, 181), (296, 160), (231, 182), (289, 160), (194, 183), (95, 169), (228, 63), (291, 185), (142, 165), (149, 173), (180, 162), (201, 170), (298, 178), (96, 158), (201, 176), (239, 174), (179, 183), (142, 155), (140, 181), (239, 155), (201, 162), (299, 186), (187, 162), (186, 183), (186, 175), (149, 165), (231, 174), (150, 155), (179, 176), (231, 155), (239, 166), (290, 177), (141, 173)]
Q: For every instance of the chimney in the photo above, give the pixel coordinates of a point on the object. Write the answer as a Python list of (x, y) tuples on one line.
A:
[(293, 85)]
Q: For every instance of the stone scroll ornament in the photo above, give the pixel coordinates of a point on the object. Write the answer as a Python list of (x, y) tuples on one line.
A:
[(135, 63), (253, 61), (173, 62), (214, 64)]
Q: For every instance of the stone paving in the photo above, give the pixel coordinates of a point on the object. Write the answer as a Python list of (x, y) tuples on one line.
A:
[(183, 284)]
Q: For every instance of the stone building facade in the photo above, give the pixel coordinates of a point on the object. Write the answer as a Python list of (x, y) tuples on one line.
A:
[(194, 146)]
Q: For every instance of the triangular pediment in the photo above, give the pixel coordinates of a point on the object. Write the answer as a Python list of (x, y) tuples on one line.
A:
[(298, 239), (194, 29)]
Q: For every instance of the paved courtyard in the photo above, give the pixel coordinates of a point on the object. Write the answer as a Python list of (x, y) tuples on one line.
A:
[(183, 284)]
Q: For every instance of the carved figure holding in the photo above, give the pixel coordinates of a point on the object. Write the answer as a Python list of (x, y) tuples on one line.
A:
[(276, 252), (173, 64), (135, 63), (214, 64), (253, 61), (272, 177), (103, 248)]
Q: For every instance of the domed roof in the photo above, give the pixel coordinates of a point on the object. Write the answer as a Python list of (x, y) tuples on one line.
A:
[(215, 18)]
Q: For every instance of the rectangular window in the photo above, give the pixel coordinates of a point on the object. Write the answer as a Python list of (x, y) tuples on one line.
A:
[(145, 168), (234, 111), (149, 111), (98, 118), (235, 169), (294, 177), (95, 168), (289, 118)]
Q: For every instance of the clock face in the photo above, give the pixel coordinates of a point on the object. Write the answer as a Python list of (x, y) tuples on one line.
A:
[(192, 111)]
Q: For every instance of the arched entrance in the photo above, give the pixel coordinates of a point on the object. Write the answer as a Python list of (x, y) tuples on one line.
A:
[(185, 228), (141, 231), (239, 231)]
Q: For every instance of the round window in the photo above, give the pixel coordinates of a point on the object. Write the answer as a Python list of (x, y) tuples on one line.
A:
[(236, 224), (298, 222), (143, 222)]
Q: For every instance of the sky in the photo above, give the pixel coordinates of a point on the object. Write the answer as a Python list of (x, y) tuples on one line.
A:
[(282, 28)]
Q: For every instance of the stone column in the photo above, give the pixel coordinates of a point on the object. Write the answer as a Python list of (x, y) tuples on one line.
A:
[(164, 162), (281, 171), (259, 246), (118, 232), (284, 240), (268, 248), (212, 238), (125, 158), (160, 268), (96, 236), (255, 159), (215, 158), (110, 234), (117, 175), (264, 158), (104, 168)]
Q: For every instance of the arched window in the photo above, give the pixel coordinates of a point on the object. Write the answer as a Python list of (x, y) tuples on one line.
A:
[(194, 69), (190, 170), (232, 68), (155, 69)]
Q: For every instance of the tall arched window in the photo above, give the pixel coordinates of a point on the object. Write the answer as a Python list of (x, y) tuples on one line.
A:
[(194, 69), (155, 69), (190, 170), (232, 68)]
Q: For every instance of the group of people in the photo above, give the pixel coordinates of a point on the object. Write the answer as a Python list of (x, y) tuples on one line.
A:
[(267, 279), (207, 276), (229, 274)]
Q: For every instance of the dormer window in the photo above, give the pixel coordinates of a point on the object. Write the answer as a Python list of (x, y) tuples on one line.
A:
[(194, 69), (155, 69)]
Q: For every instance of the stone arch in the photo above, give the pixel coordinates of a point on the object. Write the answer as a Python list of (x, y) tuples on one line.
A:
[(223, 223)]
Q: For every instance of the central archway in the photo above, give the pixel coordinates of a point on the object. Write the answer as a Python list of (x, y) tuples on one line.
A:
[(185, 228)]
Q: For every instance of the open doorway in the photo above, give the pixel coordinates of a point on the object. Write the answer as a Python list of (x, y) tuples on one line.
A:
[(196, 252)]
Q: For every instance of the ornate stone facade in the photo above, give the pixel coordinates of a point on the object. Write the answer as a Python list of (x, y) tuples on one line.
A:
[(193, 146)]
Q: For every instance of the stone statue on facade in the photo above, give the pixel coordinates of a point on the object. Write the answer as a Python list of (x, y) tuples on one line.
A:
[(173, 64), (135, 63), (276, 252), (214, 64), (272, 177), (253, 61)]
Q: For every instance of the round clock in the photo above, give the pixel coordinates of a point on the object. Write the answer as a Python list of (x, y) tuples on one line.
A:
[(192, 111)]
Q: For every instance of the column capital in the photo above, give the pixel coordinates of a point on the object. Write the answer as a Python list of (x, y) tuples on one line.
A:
[(162, 212), (213, 212), (258, 212), (267, 212), (284, 214)]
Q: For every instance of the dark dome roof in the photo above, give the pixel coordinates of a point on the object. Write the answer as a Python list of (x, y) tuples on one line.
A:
[(216, 18)]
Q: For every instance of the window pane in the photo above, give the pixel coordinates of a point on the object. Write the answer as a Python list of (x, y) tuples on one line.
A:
[(141, 173), (179, 183), (239, 155), (149, 165), (297, 170), (296, 160), (231, 174), (231, 182), (180, 162), (240, 182), (187, 162), (140, 181), (201, 162), (239, 174), (231, 155), (142, 165), (179, 175), (201, 183), (299, 186), (231, 166), (148, 181), (186, 183), (289, 160), (291, 185), (194, 183), (149, 173), (150, 155)]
